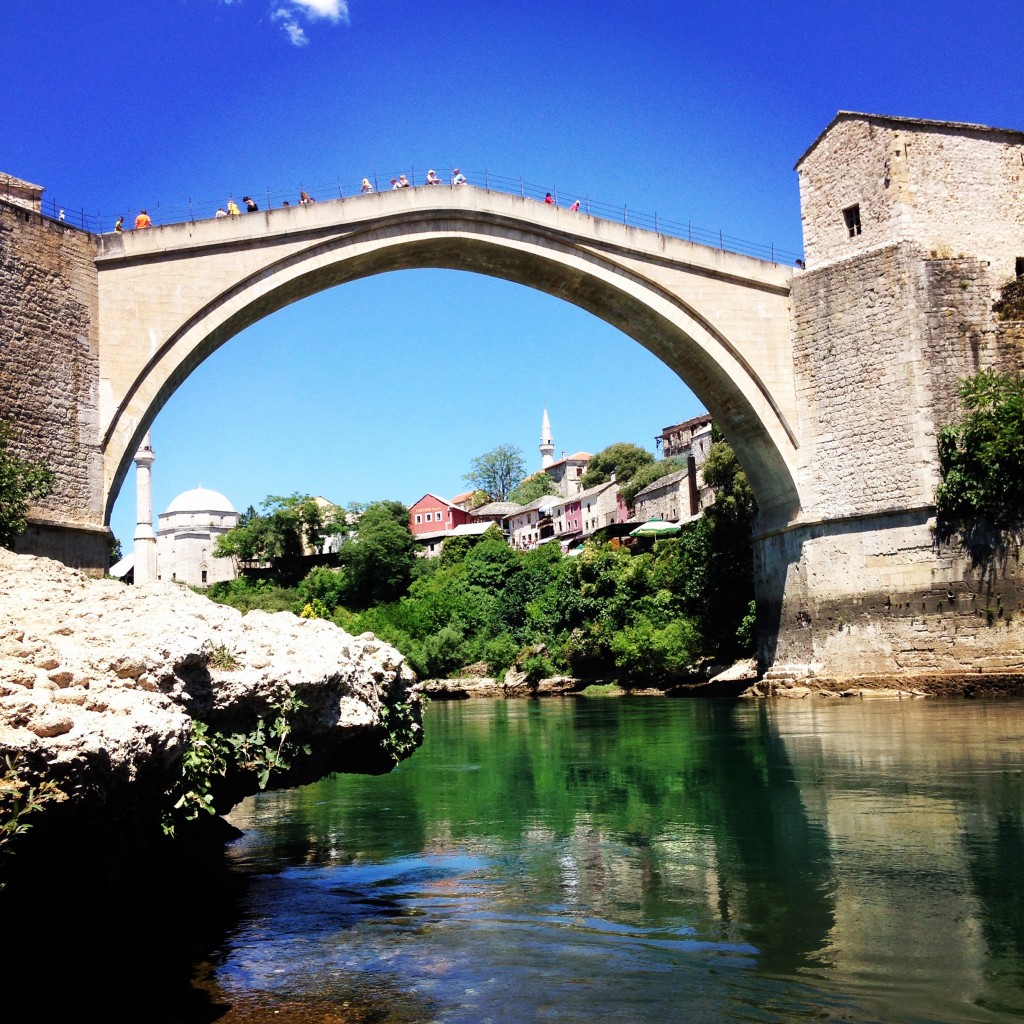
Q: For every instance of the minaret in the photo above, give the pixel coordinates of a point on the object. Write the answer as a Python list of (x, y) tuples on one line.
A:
[(145, 539), (547, 445)]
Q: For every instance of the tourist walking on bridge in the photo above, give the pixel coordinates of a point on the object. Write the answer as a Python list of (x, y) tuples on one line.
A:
[(143, 221), (233, 210), (250, 206), (459, 178)]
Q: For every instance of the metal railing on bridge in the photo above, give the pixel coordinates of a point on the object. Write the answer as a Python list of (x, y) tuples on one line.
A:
[(205, 209)]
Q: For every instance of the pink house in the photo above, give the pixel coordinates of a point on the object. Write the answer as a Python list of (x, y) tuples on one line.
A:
[(432, 514)]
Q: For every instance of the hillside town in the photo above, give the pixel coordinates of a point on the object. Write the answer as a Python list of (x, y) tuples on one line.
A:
[(181, 549), (573, 515)]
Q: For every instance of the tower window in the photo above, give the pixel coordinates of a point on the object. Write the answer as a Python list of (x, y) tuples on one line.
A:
[(1019, 267), (852, 217)]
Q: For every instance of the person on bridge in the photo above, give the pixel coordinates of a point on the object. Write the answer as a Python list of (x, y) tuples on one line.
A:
[(233, 210), (304, 198), (250, 206), (143, 221), (549, 200), (575, 207), (403, 181), (119, 226), (221, 212), (459, 178), (367, 187), (432, 178)]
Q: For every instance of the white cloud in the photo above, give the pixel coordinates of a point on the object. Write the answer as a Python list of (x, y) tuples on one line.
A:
[(334, 10), (289, 13)]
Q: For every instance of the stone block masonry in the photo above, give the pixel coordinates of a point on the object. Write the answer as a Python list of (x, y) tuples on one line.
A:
[(881, 342), (49, 378)]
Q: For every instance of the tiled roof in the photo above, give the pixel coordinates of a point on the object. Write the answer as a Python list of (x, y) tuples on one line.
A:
[(663, 481), (496, 508)]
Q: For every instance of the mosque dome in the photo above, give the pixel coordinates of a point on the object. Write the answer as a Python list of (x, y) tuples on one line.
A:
[(200, 499)]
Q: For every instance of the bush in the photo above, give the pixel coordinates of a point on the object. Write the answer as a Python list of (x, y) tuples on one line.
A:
[(981, 458), (643, 650), (500, 653), (324, 585)]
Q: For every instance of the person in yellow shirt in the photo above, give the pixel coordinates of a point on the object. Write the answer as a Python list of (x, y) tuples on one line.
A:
[(233, 210)]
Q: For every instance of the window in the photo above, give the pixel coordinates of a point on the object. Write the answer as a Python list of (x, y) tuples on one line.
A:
[(419, 518), (1020, 266), (852, 217), (204, 575)]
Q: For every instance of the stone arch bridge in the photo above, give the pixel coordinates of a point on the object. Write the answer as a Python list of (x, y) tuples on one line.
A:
[(170, 296), (830, 383)]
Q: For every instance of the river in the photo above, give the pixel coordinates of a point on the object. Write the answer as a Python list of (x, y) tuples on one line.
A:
[(647, 860), (589, 860)]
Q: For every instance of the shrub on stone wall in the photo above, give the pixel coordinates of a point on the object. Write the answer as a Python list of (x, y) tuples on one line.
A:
[(21, 482)]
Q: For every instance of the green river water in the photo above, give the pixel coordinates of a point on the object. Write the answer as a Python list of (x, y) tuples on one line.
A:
[(645, 860)]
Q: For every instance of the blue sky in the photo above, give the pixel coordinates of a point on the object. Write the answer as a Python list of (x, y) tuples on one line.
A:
[(388, 387)]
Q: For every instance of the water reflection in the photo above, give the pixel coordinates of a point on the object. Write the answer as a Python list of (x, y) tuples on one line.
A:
[(653, 860)]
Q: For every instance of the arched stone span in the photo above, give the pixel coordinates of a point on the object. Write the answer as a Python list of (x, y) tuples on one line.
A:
[(169, 297)]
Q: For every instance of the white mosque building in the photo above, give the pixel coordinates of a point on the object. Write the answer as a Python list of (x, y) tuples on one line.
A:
[(187, 533), (182, 547)]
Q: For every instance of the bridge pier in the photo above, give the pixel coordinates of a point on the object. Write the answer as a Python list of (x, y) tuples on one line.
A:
[(875, 595), (82, 546)]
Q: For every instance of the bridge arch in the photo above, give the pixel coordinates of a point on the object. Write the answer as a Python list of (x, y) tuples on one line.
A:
[(716, 319)]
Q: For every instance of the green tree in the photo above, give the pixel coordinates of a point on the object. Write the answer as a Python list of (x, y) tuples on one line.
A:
[(623, 459), (21, 482), (497, 471), (284, 529), (379, 557), (709, 568), (981, 459), (535, 486)]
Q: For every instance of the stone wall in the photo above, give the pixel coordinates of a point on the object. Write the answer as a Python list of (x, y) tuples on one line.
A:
[(880, 343), (49, 378), (953, 189), (859, 586)]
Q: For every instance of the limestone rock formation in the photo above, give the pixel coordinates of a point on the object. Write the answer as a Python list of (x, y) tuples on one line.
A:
[(100, 684)]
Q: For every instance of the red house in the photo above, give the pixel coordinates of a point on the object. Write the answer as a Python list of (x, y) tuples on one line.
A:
[(432, 514)]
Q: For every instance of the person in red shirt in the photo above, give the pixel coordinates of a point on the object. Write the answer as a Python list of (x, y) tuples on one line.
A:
[(549, 200), (143, 221)]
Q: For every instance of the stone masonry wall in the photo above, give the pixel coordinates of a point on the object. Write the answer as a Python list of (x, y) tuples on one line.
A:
[(881, 342), (49, 376), (953, 189)]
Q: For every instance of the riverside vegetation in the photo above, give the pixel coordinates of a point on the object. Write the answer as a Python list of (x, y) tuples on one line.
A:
[(482, 607)]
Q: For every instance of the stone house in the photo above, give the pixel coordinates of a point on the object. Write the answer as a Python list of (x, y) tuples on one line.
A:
[(534, 522), (677, 497), (496, 512), (567, 472), (686, 438), (599, 507)]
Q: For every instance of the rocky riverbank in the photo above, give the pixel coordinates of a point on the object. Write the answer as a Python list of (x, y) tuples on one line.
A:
[(743, 680), (100, 685)]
